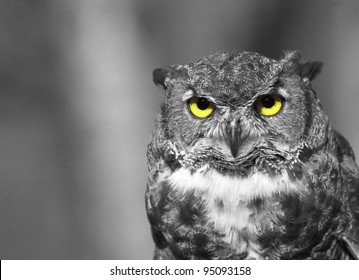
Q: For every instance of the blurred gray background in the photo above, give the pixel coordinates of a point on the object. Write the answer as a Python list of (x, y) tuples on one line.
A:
[(77, 105)]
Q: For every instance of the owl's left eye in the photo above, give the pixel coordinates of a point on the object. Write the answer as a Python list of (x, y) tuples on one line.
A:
[(269, 105), (200, 107)]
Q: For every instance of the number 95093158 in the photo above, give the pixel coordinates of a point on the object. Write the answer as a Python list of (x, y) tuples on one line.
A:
[(217, 270)]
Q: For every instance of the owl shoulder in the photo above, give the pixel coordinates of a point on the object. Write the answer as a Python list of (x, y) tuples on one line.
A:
[(350, 180), (343, 145)]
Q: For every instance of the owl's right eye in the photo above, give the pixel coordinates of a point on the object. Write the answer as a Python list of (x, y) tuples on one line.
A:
[(200, 107)]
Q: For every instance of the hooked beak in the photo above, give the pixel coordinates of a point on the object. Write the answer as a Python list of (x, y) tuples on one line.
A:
[(233, 136)]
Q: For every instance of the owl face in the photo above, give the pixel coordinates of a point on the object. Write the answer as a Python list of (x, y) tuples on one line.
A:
[(232, 104)]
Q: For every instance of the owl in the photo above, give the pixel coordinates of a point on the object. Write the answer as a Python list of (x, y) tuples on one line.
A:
[(244, 164)]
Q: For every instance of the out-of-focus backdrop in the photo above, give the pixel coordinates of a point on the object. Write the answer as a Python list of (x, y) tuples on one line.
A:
[(77, 105)]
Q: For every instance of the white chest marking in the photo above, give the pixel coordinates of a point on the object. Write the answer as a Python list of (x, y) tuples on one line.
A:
[(235, 220), (234, 188)]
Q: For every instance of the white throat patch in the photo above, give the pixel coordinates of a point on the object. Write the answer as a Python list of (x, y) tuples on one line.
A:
[(220, 186)]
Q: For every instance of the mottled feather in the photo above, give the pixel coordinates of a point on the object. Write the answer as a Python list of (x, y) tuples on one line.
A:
[(288, 190)]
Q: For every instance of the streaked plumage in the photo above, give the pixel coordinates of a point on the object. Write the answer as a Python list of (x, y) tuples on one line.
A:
[(239, 184)]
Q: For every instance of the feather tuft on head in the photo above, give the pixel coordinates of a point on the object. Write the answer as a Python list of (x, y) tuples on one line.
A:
[(293, 63)]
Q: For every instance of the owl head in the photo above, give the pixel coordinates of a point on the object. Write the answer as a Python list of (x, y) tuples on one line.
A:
[(231, 106)]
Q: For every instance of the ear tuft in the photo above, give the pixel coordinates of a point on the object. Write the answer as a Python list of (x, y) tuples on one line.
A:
[(160, 75), (293, 63), (310, 69)]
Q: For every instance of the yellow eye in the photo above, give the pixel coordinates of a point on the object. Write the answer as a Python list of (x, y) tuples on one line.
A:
[(200, 107), (269, 105)]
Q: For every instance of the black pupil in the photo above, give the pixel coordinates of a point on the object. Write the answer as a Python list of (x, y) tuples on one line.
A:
[(268, 101), (202, 103)]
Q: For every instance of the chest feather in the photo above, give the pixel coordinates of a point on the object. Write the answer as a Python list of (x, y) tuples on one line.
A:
[(230, 203)]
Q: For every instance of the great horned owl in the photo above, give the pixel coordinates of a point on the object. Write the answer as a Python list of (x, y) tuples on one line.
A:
[(244, 164)]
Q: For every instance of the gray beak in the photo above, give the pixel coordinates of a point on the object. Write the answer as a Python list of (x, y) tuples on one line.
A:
[(233, 137)]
